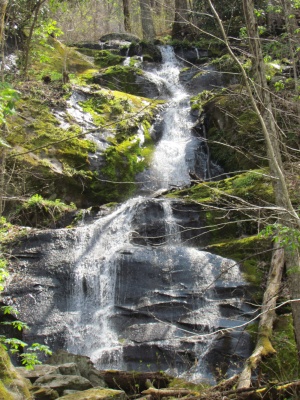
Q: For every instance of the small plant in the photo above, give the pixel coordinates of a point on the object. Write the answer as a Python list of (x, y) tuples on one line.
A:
[(29, 358)]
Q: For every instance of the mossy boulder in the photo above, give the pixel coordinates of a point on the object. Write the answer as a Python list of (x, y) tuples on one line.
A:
[(126, 79), (57, 58), (148, 50), (102, 58), (12, 385)]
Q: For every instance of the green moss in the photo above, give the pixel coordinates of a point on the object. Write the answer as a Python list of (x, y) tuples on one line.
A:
[(40, 212), (55, 58), (234, 131), (251, 253), (251, 186), (284, 365), (182, 384), (103, 58), (122, 78), (12, 386), (225, 64)]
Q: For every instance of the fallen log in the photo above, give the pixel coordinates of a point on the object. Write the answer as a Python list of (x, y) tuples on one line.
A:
[(133, 382)]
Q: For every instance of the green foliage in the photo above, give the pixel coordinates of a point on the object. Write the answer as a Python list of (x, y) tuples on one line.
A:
[(8, 98), (37, 211), (3, 273), (225, 64), (288, 237), (29, 358)]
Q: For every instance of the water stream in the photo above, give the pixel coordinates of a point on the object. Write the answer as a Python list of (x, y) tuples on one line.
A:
[(138, 292)]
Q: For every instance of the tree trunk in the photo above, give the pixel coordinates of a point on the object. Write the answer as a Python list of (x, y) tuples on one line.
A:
[(28, 41), (3, 6), (293, 38), (263, 346), (147, 21), (288, 217), (260, 99), (180, 25), (126, 12)]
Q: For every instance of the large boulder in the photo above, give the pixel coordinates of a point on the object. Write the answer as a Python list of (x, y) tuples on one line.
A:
[(127, 79), (149, 51), (83, 364), (63, 382)]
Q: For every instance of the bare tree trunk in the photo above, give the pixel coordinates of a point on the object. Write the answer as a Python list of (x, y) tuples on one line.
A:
[(180, 25), (147, 21), (127, 24), (288, 217), (260, 98), (28, 41), (293, 37), (3, 6)]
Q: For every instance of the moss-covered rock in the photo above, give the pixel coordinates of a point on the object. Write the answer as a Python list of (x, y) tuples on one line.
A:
[(234, 132), (12, 385), (56, 58), (149, 51), (102, 58), (126, 79), (254, 186)]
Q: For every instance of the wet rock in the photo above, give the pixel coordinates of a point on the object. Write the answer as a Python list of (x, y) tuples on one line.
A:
[(191, 55), (147, 50)]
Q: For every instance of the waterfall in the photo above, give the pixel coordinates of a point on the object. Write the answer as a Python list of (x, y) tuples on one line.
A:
[(138, 293), (169, 167)]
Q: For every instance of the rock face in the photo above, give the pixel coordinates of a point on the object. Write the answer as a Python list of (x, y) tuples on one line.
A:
[(162, 296)]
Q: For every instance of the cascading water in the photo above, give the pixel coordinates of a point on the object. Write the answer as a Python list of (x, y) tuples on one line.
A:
[(137, 292)]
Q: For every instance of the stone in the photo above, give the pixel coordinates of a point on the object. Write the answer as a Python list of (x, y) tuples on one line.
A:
[(83, 363), (37, 371), (191, 55), (63, 382), (128, 79), (96, 394), (44, 393), (127, 37), (146, 50), (69, 369)]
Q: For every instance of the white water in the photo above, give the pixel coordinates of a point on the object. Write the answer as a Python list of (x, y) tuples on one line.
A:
[(93, 291), (169, 166)]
